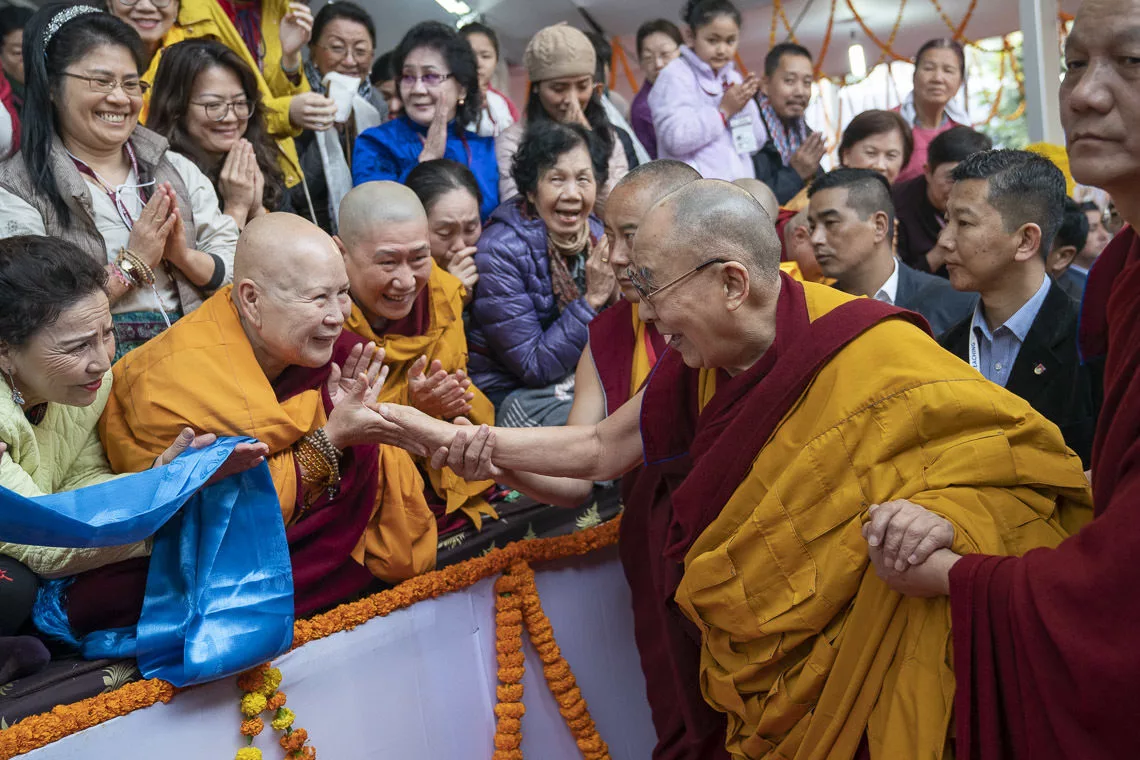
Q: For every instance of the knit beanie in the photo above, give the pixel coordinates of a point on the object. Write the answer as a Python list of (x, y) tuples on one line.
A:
[(559, 51)]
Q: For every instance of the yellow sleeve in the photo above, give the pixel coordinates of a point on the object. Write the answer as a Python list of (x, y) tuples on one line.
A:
[(400, 540)]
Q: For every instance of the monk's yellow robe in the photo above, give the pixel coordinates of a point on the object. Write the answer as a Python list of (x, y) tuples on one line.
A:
[(202, 373), (433, 329), (803, 647)]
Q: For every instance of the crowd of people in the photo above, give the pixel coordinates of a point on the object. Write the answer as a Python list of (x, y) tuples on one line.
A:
[(411, 292)]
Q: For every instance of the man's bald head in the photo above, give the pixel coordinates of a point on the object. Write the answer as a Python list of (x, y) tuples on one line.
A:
[(277, 249), (291, 292), (763, 195), (664, 176), (377, 204), (718, 218)]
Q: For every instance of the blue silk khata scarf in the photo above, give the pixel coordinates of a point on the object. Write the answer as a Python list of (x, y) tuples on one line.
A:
[(219, 592)]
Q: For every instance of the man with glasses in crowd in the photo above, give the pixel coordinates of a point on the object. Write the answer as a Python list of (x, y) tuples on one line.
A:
[(780, 414)]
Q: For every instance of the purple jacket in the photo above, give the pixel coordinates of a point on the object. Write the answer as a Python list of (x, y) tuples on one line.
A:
[(516, 337), (684, 102), (641, 119)]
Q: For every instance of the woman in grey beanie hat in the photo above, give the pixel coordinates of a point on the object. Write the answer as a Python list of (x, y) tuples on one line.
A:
[(560, 62)]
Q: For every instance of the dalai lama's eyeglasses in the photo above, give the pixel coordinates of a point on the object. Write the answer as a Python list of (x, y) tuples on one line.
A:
[(646, 292)]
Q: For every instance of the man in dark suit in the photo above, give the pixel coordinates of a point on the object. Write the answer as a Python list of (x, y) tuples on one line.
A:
[(1002, 216), (851, 218)]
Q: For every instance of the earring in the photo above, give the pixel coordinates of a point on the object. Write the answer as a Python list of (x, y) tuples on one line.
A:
[(17, 397)]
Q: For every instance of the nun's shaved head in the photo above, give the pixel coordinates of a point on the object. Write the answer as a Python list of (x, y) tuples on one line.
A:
[(375, 204)]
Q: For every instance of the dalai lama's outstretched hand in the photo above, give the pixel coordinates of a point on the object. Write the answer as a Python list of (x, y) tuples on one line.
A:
[(363, 359), (906, 533), (470, 461), (411, 429)]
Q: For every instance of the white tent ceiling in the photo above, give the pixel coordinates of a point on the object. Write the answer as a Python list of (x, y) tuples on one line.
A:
[(517, 20)]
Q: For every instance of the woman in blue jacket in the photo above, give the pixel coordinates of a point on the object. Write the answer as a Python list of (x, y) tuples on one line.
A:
[(439, 87), (542, 277)]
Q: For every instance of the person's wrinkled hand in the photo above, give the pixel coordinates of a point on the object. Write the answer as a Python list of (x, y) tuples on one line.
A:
[(927, 579), (356, 420), (436, 392), (363, 359), (435, 143), (469, 454), (245, 456), (601, 283), (462, 267), (906, 533), (294, 30), (3, 448)]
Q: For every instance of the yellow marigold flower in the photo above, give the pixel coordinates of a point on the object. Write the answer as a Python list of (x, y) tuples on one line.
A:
[(272, 681), (248, 753), (252, 704), (283, 719)]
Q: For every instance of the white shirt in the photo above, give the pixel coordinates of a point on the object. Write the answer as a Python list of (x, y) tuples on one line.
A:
[(889, 291)]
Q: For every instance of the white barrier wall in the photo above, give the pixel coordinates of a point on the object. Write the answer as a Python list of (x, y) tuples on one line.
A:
[(418, 685)]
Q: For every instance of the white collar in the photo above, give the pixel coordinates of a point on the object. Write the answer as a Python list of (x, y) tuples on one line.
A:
[(889, 291)]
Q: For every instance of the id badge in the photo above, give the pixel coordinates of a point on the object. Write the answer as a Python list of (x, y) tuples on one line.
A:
[(743, 138)]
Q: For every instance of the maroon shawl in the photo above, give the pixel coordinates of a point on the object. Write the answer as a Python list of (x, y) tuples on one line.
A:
[(320, 543), (612, 343), (1045, 646), (695, 460)]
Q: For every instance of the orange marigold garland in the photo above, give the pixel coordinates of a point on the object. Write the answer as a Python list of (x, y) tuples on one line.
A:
[(262, 687), (41, 730), (517, 603)]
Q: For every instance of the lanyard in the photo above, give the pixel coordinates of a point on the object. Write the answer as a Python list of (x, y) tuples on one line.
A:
[(113, 191), (975, 357)]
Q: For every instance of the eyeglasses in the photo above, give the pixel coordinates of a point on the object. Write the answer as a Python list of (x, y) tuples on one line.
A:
[(340, 50), (430, 79), (155, 3), (661, 58), (217, 110), (134, 88), (646, 292)]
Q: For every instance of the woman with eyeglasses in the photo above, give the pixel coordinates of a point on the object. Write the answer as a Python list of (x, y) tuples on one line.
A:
[(543, 277), (206, 105), (658, 43), (87, 173), (268, 35), (439, 89), (340, 62)]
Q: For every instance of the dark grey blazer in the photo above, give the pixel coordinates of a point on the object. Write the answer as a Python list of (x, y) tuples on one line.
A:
[(934, 298)]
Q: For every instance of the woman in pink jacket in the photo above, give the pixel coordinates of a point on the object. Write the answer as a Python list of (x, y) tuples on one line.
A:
[(703, 111)]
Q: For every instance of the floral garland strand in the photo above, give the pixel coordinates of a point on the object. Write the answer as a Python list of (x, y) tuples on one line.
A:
[(262, 692), (516, 589), (38, 731)]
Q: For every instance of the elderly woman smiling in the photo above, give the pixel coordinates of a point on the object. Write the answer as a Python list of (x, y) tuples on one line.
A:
[(56, 343), (543, 277), (87, 173)]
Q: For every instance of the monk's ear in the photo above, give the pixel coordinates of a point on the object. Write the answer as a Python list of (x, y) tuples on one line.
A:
[(340, 246), (1028, 238), (248, 301), (737, 284)]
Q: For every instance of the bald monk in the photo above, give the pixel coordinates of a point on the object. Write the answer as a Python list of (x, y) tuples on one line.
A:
[(762, 193), (267, 358), (413, 310), (780, 413)]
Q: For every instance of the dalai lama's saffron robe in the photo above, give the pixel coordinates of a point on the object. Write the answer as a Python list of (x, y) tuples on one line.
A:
[(434, 328), (756, 492), (624, 350), (1045, 646), (202, 373)]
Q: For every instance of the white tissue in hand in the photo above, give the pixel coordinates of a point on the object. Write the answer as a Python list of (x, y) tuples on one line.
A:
[(341, 88)]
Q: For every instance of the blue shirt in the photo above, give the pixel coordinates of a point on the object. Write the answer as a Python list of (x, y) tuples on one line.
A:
[(996, 351), (391, 150)]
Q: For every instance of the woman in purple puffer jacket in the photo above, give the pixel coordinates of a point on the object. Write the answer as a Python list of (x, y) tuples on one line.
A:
[(542, 278)]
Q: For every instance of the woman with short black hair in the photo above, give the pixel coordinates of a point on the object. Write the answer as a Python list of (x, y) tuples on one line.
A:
[(543, 277), (87, 173), (439, 91), (450, 196)]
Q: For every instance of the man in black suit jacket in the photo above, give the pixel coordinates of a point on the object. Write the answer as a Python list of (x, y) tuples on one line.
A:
[(851, 219), (1002, 216)]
